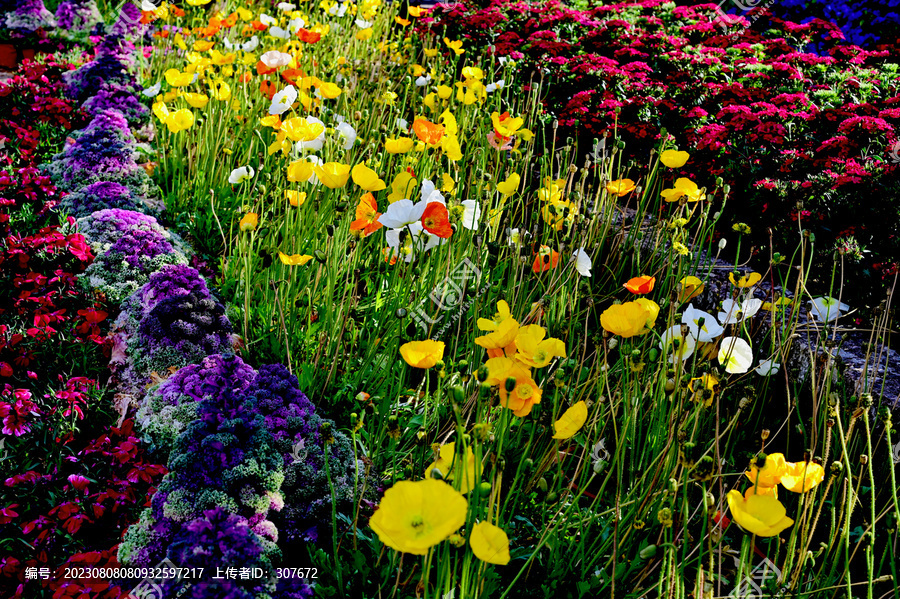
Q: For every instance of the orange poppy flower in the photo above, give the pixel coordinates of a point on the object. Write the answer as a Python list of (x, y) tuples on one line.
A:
[(262, 69), (389, 256), (290, 75), (640, 285), (258, 26), (245, 78), (427, 131), (307, 36), (230, 20), (546, 259), (176, 11), (366, 216), (268, 89), (436, 220), (162, 34)]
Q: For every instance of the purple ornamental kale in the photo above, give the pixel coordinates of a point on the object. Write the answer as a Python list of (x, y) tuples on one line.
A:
[(289, 414), (77, 16), (217, 539), (29, 17), (129, 22), (98, 196), (172, 281), (114, 96), (85, 81), (136, 246), (112, 120), (211, 379)]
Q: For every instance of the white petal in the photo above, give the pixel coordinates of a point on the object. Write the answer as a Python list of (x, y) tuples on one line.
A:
[(736, 355), (583, 262), (398, 215), (471, 215), (152, 91)]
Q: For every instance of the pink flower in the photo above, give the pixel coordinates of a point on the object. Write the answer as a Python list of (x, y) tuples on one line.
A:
[(79, 482)]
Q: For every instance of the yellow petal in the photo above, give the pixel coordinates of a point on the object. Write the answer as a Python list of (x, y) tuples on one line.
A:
[(490, 544), (571, 421)]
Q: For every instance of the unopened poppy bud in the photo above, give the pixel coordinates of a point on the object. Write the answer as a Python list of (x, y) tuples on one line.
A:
[(439, 364), (528, 465), (320, 256), (836, 468), (552, 497), (648, 552), (761, 460), (670, 385), (262, 189), (329, 229), (484, 489), (722, 243), (482, 374), (459, 395), (726, 189), (620, 143), (719, 181), (462, 366), (510, 384), (484, 390), (325, 431), (542, 485), (653, 354)]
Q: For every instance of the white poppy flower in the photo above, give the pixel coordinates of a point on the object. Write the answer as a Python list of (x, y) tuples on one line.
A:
[(348, 133), (471, 214), (283, 100), (734, 313), (583, 262), (703, 326), (274, 59), (423, 80), (152, 91), (362, 24), (251, 45), (431, 194), (826, 309), (402, 124), (285, 6), (241, 174), (492, 87), (282, 34), (402, 213), (338, 10), (294, 25), (735, 355), (227, 43), (147, 6), (514, 237), (267, 20), (768, 367), (685, 344)]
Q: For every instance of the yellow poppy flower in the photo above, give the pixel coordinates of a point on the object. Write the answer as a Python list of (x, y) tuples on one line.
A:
[(180, 120), (450, 146), (366, 178), (571, 421), (748, 280), (490, 544), (400, 145), (422, 354), (455, 46), (332, 174), (295, 259), (501, 340), (509, 187), (220, 90), (802, 476), (626, 320), (447, 183), (249, 222), (691, 287), (176, 78), (762, 515), (502, 314), (525, 393), (402, 187), (299, 129), (674, 158), (296, 198), (770, 474), (466, 472), (329, 91), (620, 187), (535, 351), (683, 187), (415, 516), (299, 171), (444, 92), (197, 100)]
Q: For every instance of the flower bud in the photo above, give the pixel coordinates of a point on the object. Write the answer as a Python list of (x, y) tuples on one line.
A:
[(510, 384)]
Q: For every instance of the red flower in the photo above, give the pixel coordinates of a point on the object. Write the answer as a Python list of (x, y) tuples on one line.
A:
[(640, 285), (436, 220), (310, 37)]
